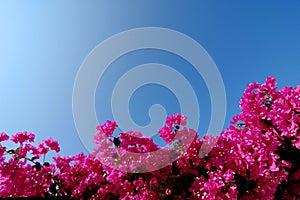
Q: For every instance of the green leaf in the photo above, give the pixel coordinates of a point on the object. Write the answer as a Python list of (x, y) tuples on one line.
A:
[(18, 158), (11, 151), (162, 194), (38, 166), (34, 158), (173, 176), (163, 182), (52, 188)]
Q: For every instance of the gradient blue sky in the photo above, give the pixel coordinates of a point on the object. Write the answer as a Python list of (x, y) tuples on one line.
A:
[(43, 44)]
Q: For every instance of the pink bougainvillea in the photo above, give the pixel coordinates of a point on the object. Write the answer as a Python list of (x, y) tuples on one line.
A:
[(256, 157)]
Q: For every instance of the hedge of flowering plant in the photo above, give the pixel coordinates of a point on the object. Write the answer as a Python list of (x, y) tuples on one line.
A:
[(256, 157)]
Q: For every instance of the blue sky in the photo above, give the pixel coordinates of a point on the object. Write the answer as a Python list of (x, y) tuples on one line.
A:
[(43, 44)]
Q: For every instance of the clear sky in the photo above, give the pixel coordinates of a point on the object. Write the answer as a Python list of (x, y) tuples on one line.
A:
[(43, 44)]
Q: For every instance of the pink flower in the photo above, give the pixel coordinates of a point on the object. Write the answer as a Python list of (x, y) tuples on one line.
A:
[(228, 175), (107, 128), (22, 137), (42, 149), (3, 137), (257, 152), (52, 144), (138, 183), (113, 177), (154, 181)]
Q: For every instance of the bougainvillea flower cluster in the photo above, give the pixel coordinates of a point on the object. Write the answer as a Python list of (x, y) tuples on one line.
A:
[(256, 157)]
